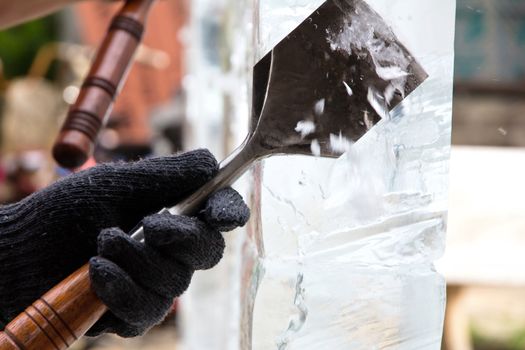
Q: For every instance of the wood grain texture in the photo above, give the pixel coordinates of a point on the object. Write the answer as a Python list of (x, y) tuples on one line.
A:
[(108, 73), (58, 319)]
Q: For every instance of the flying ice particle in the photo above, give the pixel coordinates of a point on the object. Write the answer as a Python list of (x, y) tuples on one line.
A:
[(316, 148), (348, 89), (319, 107), (305, 127), (339, 143)]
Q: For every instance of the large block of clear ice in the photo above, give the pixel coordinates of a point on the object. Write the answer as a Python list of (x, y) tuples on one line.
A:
[(339, 252)]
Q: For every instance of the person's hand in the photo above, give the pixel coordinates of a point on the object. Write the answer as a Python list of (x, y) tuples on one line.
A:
[(50, 234)]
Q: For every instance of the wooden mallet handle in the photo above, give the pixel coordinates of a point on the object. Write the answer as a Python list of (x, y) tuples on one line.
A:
[(58, 319), (108, 73)]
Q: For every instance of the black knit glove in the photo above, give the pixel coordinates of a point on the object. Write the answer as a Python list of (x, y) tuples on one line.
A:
[(47, 236)]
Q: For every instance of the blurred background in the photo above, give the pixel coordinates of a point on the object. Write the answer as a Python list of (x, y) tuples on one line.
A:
[(484, 260), (44, 61)]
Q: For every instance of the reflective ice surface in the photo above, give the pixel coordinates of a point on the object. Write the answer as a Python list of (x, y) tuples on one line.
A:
[(339, 253)]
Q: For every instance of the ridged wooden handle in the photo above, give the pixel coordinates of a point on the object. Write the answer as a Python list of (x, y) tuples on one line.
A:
[(88, 115), (58, 319)]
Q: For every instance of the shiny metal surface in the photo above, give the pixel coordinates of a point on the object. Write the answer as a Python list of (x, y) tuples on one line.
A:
[(304, 79)]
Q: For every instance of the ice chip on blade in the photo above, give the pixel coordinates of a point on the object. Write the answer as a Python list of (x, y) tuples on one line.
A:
[(305, 127), (390, 73), (360, 35)]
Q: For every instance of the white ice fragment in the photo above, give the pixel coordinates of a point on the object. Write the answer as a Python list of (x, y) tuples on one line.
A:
[(369, 122), (316, 148), (502, 131), (379, 106), (339, 143), (319, 107), (348, 89), (364, 34), (390, 73), (305, 127)]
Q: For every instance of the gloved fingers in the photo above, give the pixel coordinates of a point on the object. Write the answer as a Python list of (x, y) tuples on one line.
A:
[(225, 210), (109, 323), (147, 267), (182, 173), (185, 239), (125, 299), (118, 194), (166, 180)]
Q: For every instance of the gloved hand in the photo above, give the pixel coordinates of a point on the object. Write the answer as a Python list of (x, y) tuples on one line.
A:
[(47, 236)]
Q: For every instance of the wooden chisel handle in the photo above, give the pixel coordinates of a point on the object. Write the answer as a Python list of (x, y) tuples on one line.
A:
[(58, 319), (108, 73)]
